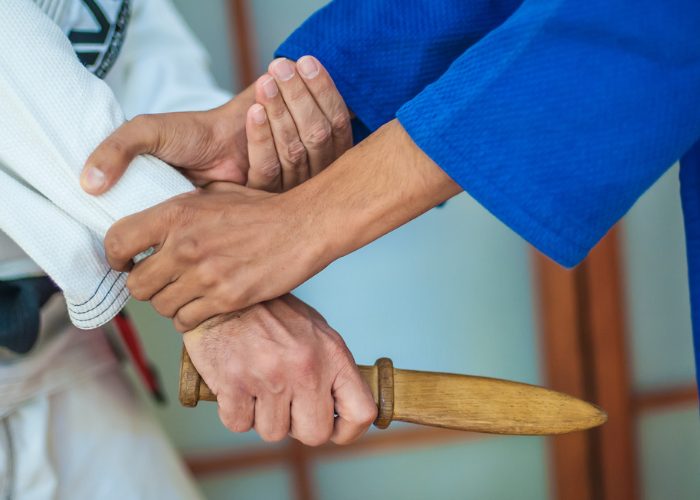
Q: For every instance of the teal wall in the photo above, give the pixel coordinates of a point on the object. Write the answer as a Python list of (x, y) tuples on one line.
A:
[(658, 302), (669, 445), (661, 343)]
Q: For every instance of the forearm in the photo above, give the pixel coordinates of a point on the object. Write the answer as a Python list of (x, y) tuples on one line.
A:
[(375, 187)]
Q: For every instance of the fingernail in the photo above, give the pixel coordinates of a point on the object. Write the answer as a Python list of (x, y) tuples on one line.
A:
[(308, 67), (270, 87), (283, 69), (257, 112), (93, 179)]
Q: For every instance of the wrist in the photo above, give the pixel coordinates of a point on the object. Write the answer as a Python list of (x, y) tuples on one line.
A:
[(315, 243), (372, 189)]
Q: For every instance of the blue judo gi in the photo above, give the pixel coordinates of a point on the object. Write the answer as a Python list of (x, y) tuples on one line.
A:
[(556, 115)]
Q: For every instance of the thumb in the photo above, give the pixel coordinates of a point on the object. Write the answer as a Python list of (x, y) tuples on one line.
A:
[(108, 162), (354, 405)]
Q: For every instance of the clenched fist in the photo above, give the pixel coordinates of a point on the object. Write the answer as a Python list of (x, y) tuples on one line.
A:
[(278, 368)]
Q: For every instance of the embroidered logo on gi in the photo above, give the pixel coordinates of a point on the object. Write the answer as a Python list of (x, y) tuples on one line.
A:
[(98, 49)]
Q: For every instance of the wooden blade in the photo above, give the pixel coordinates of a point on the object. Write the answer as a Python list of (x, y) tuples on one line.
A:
[(490, 405)]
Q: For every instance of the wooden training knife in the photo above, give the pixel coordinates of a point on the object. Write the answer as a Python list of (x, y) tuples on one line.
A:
[(462, 402)]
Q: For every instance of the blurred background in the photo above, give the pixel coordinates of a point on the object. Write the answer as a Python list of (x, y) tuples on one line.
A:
[(457, 291)]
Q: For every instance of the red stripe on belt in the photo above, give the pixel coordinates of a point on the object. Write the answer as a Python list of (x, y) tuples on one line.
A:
[(144, 368)]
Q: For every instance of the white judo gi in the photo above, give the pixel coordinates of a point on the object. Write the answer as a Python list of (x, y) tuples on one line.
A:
[(70, 425)]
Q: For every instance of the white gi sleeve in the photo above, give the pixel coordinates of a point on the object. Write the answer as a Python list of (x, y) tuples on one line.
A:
[(53, 113)]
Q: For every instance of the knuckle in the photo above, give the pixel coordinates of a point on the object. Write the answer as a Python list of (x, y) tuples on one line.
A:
[(272, 435), (115, 146), (158, 307), (235, 424), (136, 127), (341, 440), (141, 120), (276, 384), (209, 274), (136, 290), (340, 124), (270, 168), (274, 380), (179, 209), (183, 323), (141, 296), (305, 358), (297, 93), (319, 135), (231, 298), (239, 426), (162, 307), (366, 413), (224, 302), (337, 351), (259, 138), (270, 373), (188, 249), (295, 154), (326, 90), (179, 327), (334, 340), (317, 438), (236, 374), (276, 113), (233, 416), (305, 367), (229, 302), (114, 245)]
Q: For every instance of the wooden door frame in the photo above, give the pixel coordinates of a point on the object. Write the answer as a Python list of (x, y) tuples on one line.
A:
[(584, 341)]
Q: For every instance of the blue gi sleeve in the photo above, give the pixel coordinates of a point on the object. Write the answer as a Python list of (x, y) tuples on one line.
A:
[(381, 53), (690, 196), (560, 118)]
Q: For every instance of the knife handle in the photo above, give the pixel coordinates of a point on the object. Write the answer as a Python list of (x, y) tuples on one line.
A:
[(461, 402)]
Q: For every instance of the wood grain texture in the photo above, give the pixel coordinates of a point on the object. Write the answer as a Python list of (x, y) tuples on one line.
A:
[(190, 391), (488, 405), (241, 31), (451, 401), (571, 456), (610, 370), (582, 315), (384, 374), (666, 399)]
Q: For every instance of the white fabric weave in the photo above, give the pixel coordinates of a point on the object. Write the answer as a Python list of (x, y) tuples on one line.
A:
[(94, 439), (53, 112)]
